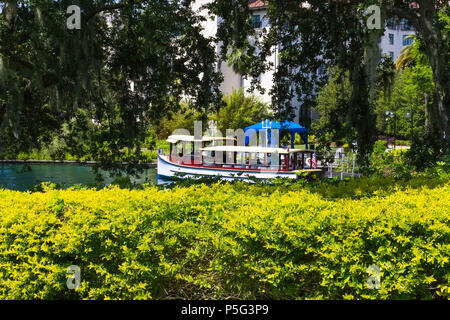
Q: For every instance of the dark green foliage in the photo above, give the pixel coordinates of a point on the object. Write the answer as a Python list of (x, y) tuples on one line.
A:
[(240, 111), (421, 155), (182, 118), (334, 33), (98, 89), (332, 106), (430, 20)]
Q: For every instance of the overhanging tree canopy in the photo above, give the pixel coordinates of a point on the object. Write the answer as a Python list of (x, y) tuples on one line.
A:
[(99, 88), (335, 33)]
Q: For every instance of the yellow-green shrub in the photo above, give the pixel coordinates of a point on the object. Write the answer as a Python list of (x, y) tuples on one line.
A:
[(224, 241)]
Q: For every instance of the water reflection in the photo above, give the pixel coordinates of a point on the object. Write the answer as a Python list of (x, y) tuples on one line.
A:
[(20, 177)]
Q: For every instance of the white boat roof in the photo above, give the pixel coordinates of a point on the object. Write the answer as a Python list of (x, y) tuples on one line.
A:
[(253, 149), (176, 138)]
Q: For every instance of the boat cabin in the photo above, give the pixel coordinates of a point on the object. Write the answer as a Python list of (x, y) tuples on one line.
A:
[(186, 149), (222, 152)]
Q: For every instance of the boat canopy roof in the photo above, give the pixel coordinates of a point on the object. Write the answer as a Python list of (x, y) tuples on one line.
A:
[(176, 138), (284, 126), (253, 149)]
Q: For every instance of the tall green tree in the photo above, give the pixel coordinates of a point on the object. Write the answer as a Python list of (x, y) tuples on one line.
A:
[(304, 36), (240, 110), (130, 63), (419, 86), (430, 19), (333, 125), (406, 100)]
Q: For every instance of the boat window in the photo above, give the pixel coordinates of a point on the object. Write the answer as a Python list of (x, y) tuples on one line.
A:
[(253, 158), (307, 161), (179, 148), (230, 157), (282, 159), (259, 158), (299, 161)]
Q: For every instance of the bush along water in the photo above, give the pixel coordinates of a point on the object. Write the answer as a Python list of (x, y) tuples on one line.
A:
[(229, 240)]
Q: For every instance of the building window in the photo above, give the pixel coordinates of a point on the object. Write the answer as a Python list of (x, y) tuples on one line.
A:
[(405, 26), (286, 44), (407, 40), (256, 21), (391, 38), (391, 54), (321, 70), (391, 23)]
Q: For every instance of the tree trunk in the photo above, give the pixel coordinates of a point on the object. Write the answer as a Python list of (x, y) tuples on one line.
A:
[(361, 115), (427, 115), (423, 19), (9, 11), (440, 113), (438, 54)]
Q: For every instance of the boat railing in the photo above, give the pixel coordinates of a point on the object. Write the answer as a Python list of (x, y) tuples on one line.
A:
[(245, 165)]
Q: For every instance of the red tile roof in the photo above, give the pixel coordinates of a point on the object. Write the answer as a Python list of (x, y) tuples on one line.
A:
[(255, 4)]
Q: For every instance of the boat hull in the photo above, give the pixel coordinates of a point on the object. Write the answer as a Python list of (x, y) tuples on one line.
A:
[(170, 170)]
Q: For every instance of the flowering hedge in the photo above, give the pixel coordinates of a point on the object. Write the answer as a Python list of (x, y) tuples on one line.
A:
[(225, 241)]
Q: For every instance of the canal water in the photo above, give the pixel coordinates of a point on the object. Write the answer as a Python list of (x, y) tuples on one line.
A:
[(20, 177)]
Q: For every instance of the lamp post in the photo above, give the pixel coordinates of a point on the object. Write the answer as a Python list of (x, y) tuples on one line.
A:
[(411, 115), (391, 114)]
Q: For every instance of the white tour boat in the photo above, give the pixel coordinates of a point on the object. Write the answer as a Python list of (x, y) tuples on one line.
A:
[(191, 157)]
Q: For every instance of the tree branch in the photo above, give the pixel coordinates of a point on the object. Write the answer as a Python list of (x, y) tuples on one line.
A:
[(111, 7), (410, 14), (49, 77), (17, 59)]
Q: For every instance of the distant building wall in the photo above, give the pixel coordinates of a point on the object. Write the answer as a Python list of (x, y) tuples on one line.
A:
[(394, 39)]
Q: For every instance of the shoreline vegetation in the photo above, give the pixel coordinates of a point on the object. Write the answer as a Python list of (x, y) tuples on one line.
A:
[(83, 162), (51, 155), (212, 239), (216, 240), (149, 156)]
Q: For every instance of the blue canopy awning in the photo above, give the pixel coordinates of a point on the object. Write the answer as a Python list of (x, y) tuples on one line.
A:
[(284, 126)]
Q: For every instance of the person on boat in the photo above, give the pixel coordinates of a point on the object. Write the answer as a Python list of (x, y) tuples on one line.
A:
[(291, 162)]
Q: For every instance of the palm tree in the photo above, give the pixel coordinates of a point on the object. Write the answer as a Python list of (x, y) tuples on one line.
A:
[(239, 61), (411, 55)]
